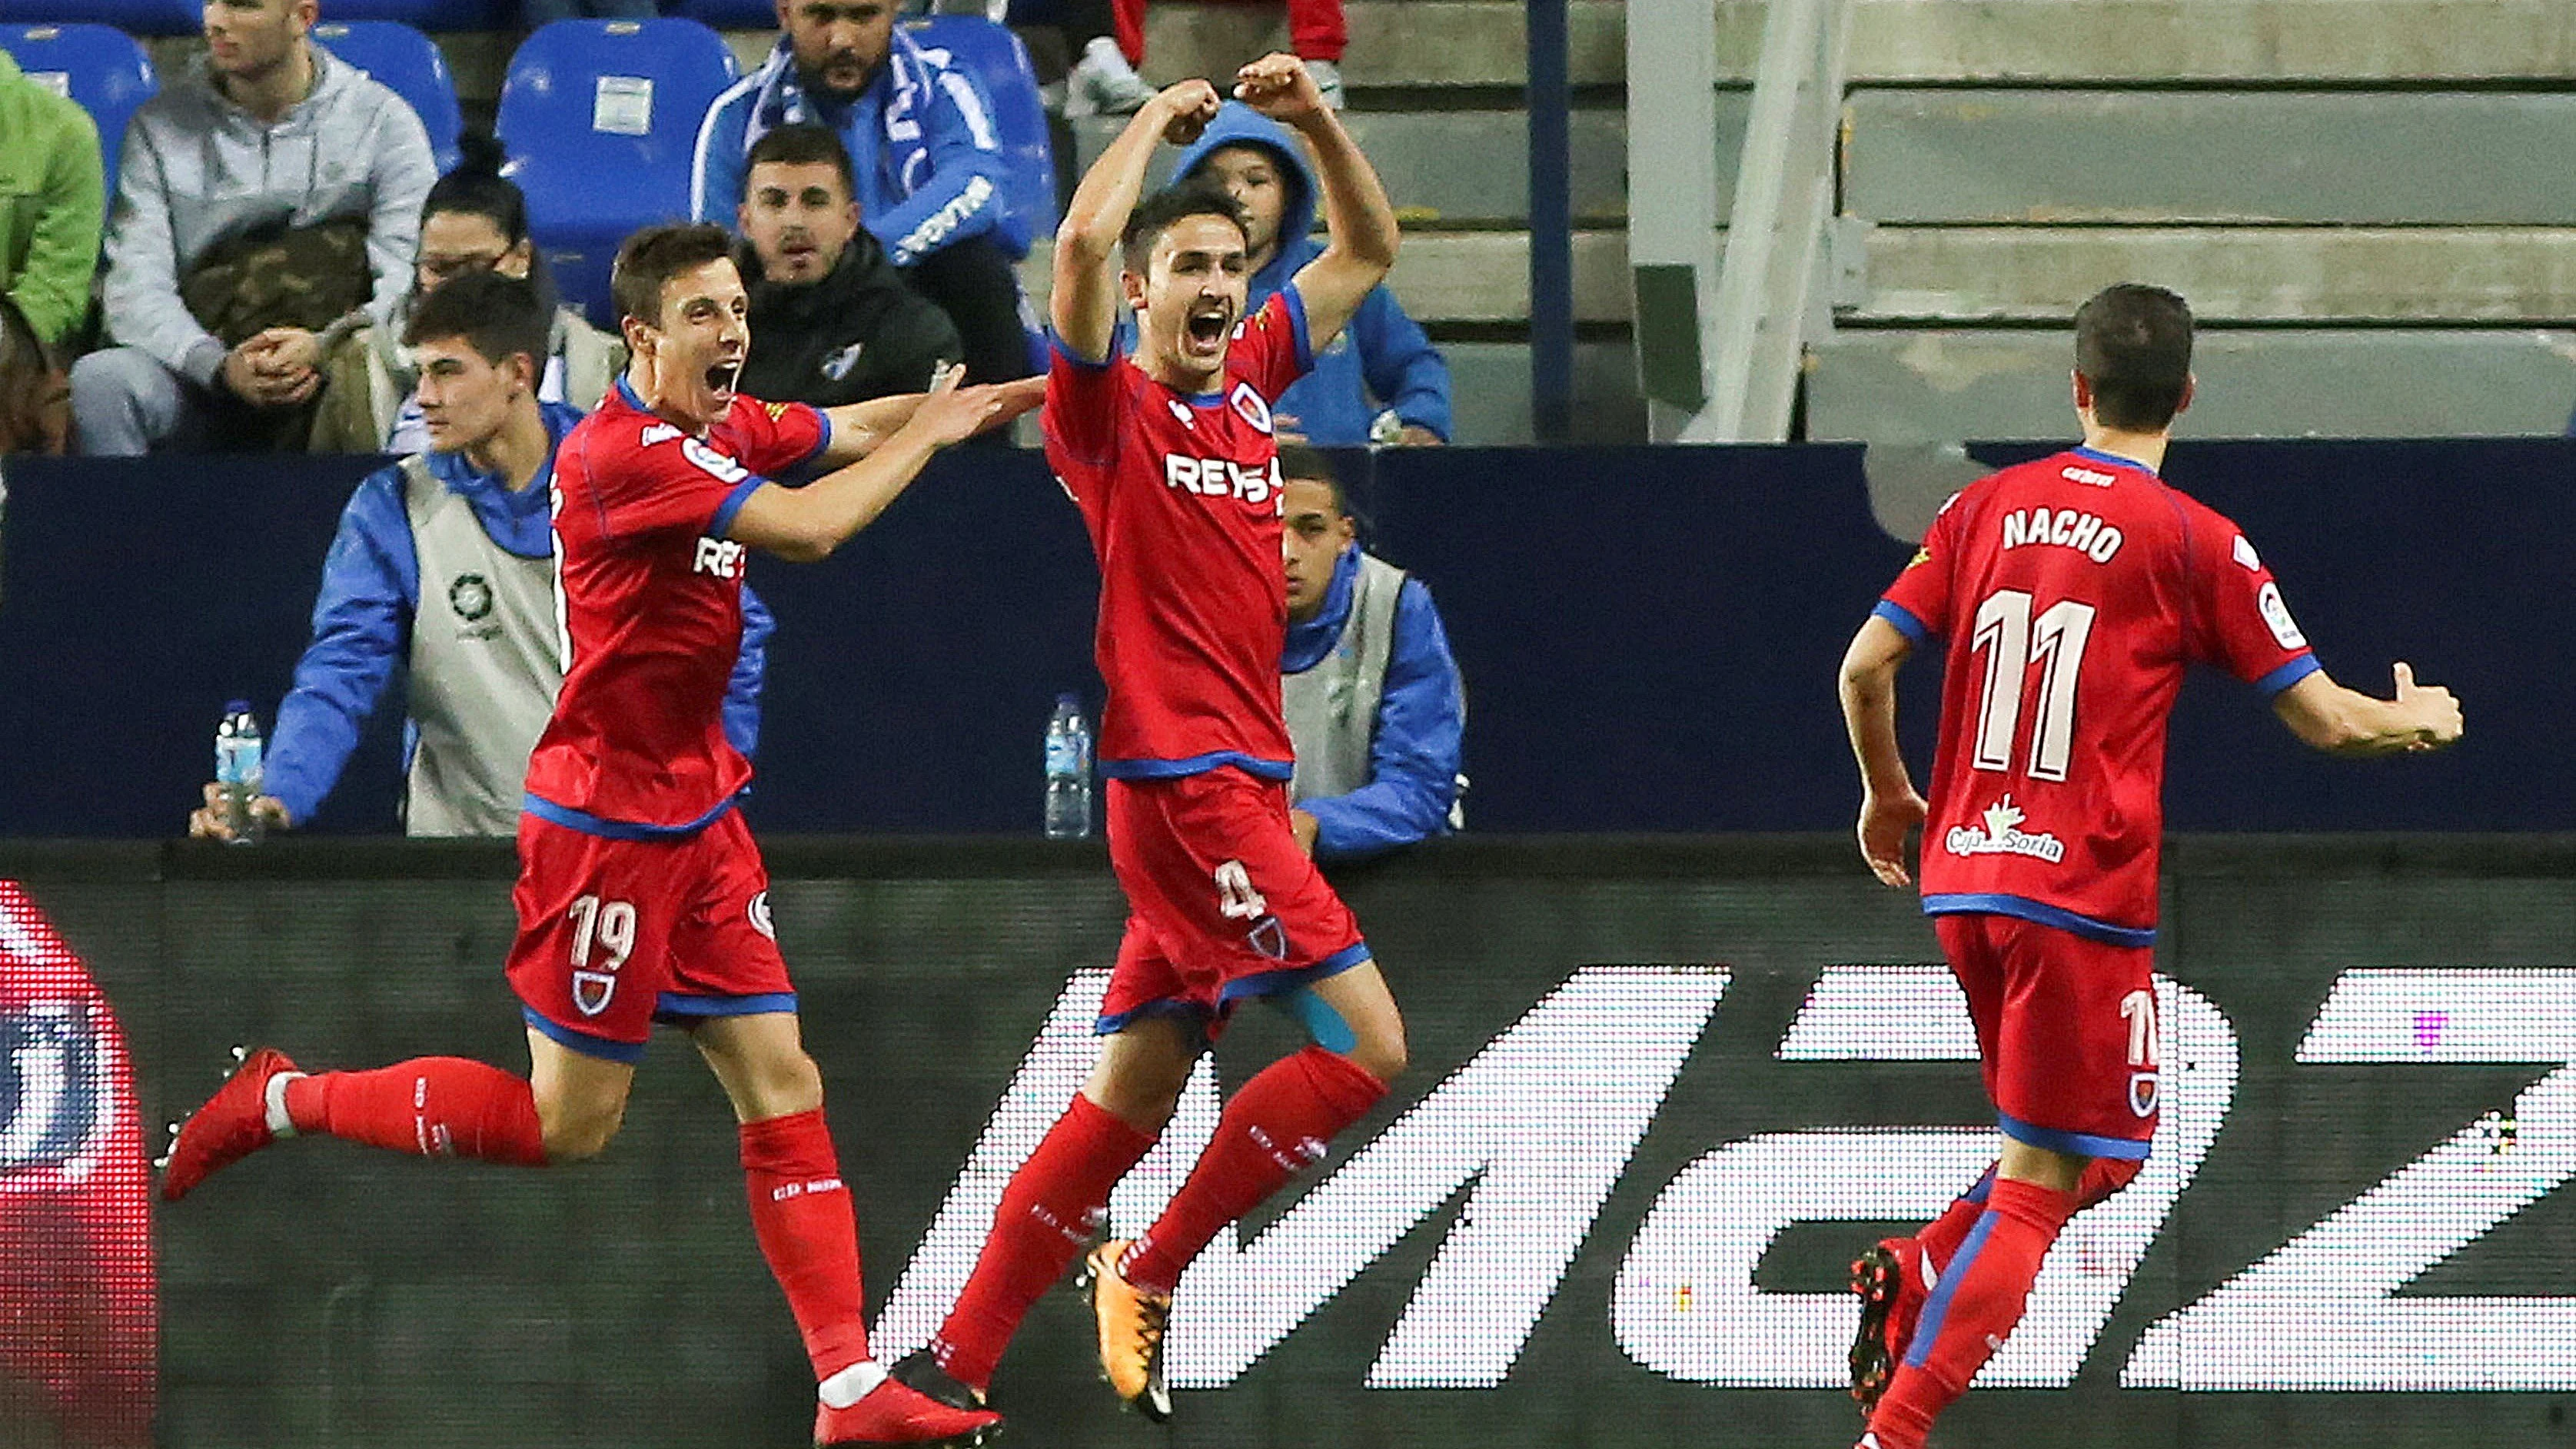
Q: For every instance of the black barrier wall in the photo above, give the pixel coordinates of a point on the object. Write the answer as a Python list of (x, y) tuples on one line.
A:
[(1662, 1089), (1649, 636)]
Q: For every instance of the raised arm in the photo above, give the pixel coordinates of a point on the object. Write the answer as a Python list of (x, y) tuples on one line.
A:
[(1889, 807), (858, 428), (1359, 222), (805, 524), (1083, 303), (2343, 721)]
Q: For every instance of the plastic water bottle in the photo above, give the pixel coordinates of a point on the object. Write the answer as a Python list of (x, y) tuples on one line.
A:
[(238, 770), (1068, 771)]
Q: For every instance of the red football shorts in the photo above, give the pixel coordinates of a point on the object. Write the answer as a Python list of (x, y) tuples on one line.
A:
[(615, 935), (1222, 905), (2066, 1027)]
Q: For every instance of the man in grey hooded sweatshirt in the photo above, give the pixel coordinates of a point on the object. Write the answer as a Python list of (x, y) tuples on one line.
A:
[(268, 130)]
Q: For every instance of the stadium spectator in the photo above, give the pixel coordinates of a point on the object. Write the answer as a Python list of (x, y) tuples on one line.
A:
[(930, 175), (474, 220), (53, 201), (1109, 37), (263, 197), (832, 321), (445, 560), (1384, 355), (1374, 702), (35, 395)]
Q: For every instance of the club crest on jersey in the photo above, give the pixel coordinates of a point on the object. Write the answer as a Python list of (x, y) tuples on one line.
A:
[(1248, 406), (591, 991), (2001, 834), (721, 557), (2142, 1094)]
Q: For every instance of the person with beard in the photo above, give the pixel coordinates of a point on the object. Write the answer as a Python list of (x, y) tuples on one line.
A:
[(927, 166), (475, 220), (835, 321)]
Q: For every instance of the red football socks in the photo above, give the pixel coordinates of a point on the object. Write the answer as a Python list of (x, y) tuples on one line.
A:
[(1046, 1215), (808, 1231), (430, 1107), (1276, 1125), (1973, 1309)]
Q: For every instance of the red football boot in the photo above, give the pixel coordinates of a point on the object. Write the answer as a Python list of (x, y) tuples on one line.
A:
[(895, 1413), (231, 1126), (1888, 1276)]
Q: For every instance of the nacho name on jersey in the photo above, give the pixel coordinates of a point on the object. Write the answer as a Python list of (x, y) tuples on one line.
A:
[(2085, 533)]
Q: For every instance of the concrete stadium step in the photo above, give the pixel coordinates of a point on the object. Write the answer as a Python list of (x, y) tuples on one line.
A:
[(2486, 275), (1990, 155), (1910, 386)]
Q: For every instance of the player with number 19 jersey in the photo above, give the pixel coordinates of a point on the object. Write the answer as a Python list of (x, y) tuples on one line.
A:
[(2072, 591)]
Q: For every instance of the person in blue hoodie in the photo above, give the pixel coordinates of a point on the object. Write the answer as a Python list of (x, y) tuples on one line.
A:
[(934, 184), (1375, 706), (444, 562), (1382, 362)]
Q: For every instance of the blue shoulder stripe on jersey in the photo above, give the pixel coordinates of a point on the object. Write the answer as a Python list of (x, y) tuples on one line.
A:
[(2114, 459), (2287, 675), (1295, 301), (1198, 765), (1055, 344), (628, 1052), (1904, 620), (607, 829), (2040, 913), (722, 525), (2073, 1144), (681, 1007), (1289, 978)]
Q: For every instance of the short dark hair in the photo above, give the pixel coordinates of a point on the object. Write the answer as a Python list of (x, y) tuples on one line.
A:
[(1156, 213), (1296, 460), (800, 144), (498, 316), (2133, 344), (477, 188), (653, 256)]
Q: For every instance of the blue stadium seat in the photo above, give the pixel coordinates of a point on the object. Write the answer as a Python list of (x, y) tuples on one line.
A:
[(135, 17), (99, 66), (409, 66), (731, 14), (601, 119), (431, 15), (994, 56)]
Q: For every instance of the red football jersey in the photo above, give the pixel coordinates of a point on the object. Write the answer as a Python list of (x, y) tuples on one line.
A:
[(648, 600), (2072, 591), (1180, 492)]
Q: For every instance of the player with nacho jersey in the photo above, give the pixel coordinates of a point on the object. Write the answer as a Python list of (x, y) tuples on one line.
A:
[(1168, 451), (2069, 595), (641, 896)]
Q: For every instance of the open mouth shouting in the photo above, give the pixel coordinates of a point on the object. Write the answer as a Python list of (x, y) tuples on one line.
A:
[(1203, 336), (722, 377)]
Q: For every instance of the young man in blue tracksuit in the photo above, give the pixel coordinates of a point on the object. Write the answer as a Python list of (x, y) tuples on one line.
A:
[(1382, 355), (444, 563), (933, 182), (1375, 706)]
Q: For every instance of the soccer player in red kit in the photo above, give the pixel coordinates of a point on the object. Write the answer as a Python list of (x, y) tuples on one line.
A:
[(2072, 591), (641, 896), (1168, 451)]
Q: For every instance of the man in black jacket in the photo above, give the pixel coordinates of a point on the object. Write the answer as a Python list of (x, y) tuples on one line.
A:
[(832, 321)]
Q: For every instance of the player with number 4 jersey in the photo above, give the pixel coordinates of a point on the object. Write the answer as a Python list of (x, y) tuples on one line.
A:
[(2067, 595), (641, 896), (1169, 453)]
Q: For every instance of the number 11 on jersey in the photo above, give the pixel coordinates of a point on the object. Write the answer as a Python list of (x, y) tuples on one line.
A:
[(2013, 642)]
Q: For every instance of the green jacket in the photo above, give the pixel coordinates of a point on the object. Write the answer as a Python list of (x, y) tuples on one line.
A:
[(53, 203)]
